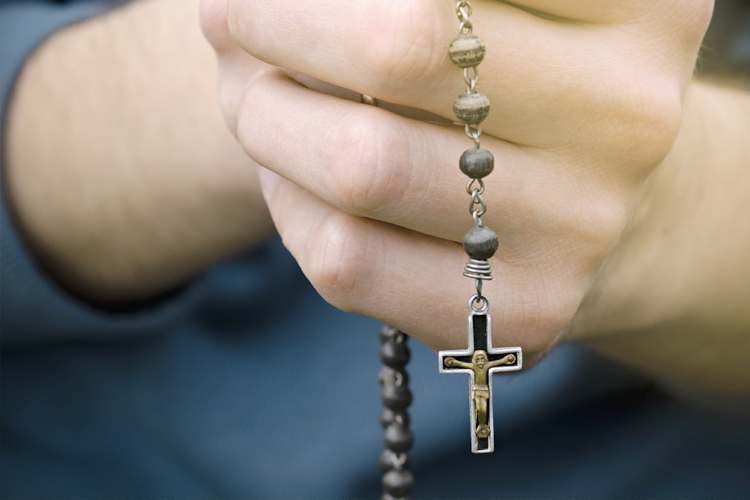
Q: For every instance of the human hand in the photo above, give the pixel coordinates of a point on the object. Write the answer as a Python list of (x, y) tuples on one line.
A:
[(587, 99)]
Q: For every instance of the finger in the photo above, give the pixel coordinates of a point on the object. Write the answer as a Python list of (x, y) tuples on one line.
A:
[(537, 72), (369, 162), (616, 11), (237, 69), (389, 273), (213, 20)]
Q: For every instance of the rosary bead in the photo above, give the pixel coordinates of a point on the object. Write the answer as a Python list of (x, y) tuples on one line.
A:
[(398, 483), (398, 438), (388, 460), (388, 416), (477, 163), (480, 243), (394, 354), (466, 51), (471, 109), (387, 333), (389, 376), (395, 397)]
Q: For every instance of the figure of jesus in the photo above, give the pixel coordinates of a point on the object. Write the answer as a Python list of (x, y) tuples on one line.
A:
[(480, 391)]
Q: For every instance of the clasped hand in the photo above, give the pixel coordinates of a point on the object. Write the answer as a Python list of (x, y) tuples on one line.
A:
[(587, 100)]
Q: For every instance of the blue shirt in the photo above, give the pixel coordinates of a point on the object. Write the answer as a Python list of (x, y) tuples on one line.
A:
[(248, 385)]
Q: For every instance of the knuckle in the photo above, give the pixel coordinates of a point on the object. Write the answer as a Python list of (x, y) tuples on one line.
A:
[(647, 114), (242, 116), (404, 42), (690, 20), (546, 309), (242, 22), (213, 21), (337, 262), (596, 221), (365, 168)]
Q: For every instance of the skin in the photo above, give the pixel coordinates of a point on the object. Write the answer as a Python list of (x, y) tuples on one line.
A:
[(600, 137), (118, 166), (618, 194)]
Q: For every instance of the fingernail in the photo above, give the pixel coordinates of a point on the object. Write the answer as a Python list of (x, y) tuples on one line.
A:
[(268, 181)]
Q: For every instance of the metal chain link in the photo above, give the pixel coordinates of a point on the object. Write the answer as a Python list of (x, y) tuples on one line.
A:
[(477, 206), (463, 11)]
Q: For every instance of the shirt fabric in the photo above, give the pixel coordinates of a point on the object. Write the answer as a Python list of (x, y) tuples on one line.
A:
[(248, 385)]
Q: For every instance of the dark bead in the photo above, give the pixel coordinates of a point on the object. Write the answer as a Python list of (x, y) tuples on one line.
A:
[(388, 460), (398, 482), (395, 397), (480, 243), (394, 354), (471, 108), (477, 163), (387, 333), (398, 438), (386, 376), (466, 51), (389, 376), (387, 417)]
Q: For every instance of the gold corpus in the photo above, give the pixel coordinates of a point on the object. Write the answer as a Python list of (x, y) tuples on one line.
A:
[(480, 391)]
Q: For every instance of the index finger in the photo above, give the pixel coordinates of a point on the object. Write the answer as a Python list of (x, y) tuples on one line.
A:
[(537, 72)]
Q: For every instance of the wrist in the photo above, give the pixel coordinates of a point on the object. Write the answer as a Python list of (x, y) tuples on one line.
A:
[(120, 172)]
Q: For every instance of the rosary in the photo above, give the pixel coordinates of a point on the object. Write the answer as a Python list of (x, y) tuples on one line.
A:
[(480, 361)]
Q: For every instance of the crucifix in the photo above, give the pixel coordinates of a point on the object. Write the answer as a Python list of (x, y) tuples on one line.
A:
[(481, 361)]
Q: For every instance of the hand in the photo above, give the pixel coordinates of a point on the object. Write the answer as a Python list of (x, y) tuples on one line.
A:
[(587, 99), (121, 173)]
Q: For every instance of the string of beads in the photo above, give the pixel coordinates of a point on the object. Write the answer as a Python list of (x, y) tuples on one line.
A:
[(471, 108), (396, 396)]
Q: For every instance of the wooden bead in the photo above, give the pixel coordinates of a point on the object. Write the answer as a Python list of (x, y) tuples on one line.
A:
[(398, 438), (477, 163), (388, 460), (466, 51), (387, 417), (398, 483), (394, 354), (387, 333), (480, 243), (395, 397), (471, 108)]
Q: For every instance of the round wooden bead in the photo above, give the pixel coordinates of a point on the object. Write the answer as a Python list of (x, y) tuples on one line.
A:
[(477, 163), (387, 417), (388, 459), (471, 108), (466, 51), (395, 397), (480, 243), (398, 438), (394, 354), (389, 376), (387, 333), (398, 483)]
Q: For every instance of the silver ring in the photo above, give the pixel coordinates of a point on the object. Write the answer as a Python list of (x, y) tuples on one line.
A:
[(476, 298)]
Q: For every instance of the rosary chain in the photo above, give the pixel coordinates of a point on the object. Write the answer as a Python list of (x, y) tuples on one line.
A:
[(471, 107), (394, 352)]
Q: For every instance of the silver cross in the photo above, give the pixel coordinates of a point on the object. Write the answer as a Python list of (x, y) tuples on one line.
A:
[(481, 361)]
